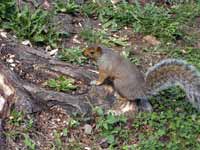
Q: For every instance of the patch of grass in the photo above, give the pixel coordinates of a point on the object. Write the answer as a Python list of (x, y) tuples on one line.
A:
[(89, 9), (174, 124), (29, 143), (7, 10), (19, 127), (72, 55), (62, 84), (23, 136), (150, 20), (90, 35), (73, 123), (111, 127), (60, 137), (97, 8), (68, 6), (169, 131), (57, 140), (28, 24), (16, 118), (102, 36), (192, 55), (155, 21)]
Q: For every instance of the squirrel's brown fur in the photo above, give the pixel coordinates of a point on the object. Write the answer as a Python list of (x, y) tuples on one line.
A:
[(131, 84)]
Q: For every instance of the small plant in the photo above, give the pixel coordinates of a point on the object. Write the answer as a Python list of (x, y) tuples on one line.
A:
[(58, 141), (29, 143), (62, 84), (111, 126), (101, 37), (66, 7), (30, 124), (97, 7), (89, 9), (128, 147), (16, 118), (7, 10), (189, 53), (65, 132), (90, 35), (72, 55), (73, 123), (171, 125), (35, 26), (154, 20)]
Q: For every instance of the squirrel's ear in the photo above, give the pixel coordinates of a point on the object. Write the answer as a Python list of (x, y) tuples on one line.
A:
[(99, 49)]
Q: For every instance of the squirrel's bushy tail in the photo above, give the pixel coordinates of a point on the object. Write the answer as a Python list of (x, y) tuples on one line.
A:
[(172, 72)]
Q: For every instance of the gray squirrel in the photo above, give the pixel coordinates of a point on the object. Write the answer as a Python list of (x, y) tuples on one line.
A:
[(133, 85)]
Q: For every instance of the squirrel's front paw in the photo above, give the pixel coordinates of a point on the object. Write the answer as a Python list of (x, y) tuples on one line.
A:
[(94, 82)]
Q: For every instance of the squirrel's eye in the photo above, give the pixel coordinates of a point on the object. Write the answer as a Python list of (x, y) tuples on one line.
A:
[(92, 53)]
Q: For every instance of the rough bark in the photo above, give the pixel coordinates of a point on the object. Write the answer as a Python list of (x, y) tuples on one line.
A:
[(32, 68)]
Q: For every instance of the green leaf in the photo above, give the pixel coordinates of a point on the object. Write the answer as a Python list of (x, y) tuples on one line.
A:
[(39, 38), (110, 139)]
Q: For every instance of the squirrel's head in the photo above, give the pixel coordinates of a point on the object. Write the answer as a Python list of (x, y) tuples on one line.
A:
[(93, 52)]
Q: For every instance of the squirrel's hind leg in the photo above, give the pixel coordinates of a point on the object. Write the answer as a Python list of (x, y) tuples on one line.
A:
[(144, 105), (124, 107)]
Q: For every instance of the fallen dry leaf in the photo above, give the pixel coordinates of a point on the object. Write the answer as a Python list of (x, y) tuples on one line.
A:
[(27, 43), (115, 1), (151, 40), (3, 34)]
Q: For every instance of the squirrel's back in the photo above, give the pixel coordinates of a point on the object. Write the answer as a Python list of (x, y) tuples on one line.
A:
[(172, 72)]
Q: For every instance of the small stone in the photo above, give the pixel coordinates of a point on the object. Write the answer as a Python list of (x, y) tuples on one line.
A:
[(11, 56), (178, 109), (183, 51), (80, 25), (87, 129), (75, 39), (87, 148), (10, 60), (12, 65), (2, 45), (53, 52), (46, 5), (104, 144)]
